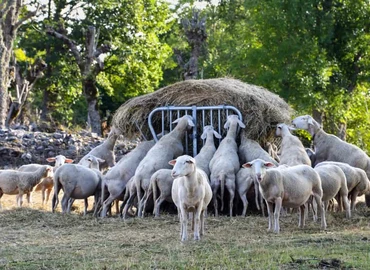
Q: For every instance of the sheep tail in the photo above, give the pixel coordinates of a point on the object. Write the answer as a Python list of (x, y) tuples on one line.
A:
[(222, 186)]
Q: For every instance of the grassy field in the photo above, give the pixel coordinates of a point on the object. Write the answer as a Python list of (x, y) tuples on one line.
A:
[(35, 238)]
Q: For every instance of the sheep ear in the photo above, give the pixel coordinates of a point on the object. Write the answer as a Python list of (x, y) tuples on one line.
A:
[(269, 164), (241, 124), (190, 122), (309, 120), (191, 161), (68, 160), (100, 160), (172, 162), (247, 165), (227, 124), (204, 135), (51, 159), (176, 121), (218, 136)]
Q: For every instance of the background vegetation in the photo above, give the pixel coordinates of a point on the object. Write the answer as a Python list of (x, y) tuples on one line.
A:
[(315, 54)]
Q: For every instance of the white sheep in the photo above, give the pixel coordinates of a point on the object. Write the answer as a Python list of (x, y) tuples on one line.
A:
[(206, 153), (287, 187), (77, 182), (292, 151), (357, 181), (167, 148), (161, 181), (248, 151), (104, 151), (129, 198), (225, 164), (116, 178), (244, 181), (329, 147), (13, 182), (46, 185), (191, 192), (334, 185)]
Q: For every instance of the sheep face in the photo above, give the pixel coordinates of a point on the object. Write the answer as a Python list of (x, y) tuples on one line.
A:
[(186, 118), (59, 160), (259, 167), (94, 162), (302, 122), (183, 166)]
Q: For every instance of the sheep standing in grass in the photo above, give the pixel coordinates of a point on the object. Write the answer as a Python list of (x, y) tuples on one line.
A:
[(288, 187), (208, 150), (160, 181), (130, 192), (330, 148), (248, 151), (46, 185), (292, 151), (334, 185), (191, 192), (244, 181), (167, 148), (116, 178), (77, 182), (13, 182), (225, 164), (356, 179), (103, 151)]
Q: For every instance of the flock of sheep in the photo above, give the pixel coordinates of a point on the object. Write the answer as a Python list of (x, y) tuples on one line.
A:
[(294, 177)]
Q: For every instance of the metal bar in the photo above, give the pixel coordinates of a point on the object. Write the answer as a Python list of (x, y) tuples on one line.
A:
[(195, 142)]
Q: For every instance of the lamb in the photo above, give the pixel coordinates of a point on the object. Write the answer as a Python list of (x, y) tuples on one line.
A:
[(130, 193), (167, 148), (244, 181), (333, 182), (161, 181), (191, 192), (77, 182), (292, 151), (250, 150), (116, 178), (357, 181), (206, 153), (225, 164), (46, 185), (17, 182), (288, 187), (103, 151), (330, 148)]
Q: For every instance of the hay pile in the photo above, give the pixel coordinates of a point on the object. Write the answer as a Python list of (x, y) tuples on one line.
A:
[(260, 108)]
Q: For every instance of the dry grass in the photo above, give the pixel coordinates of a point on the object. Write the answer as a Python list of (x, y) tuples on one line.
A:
[(39, 239), (260, 108)]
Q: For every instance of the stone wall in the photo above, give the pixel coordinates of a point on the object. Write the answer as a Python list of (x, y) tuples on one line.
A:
[(19, 146)]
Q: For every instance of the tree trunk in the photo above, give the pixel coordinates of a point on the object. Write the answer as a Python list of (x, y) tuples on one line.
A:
[(91, 95)]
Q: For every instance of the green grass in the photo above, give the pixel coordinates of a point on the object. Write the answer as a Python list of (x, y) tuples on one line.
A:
[(38, 239)]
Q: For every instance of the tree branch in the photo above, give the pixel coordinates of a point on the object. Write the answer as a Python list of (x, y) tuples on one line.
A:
[(70, 43), (30, 14)]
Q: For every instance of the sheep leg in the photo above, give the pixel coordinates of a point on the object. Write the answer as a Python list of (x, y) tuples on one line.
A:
[(106, 203), (278, 202), (43, 189), (116, 204), (215, 187), (320, 206), (230, 185), (157, 205), (353, 195), (196, 221), (29, 198), (1, 195), (20, 198), (147, 195), (270, 210), (65, 203), (127, 205), (346, 205), (256, 193), (302, 215), (202, 222), (184, 224), (140, 200), (245, 203), (86, 205), (48, 191)]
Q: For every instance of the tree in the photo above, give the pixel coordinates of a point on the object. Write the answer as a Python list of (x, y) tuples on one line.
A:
[(10, 22)]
